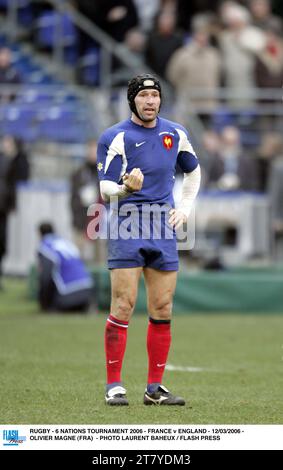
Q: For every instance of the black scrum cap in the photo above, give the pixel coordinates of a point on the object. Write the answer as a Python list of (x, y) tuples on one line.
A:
[(138, 83)]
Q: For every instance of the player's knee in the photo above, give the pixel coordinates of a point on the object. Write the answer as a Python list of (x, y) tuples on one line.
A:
[(125, 307), (161, 310)]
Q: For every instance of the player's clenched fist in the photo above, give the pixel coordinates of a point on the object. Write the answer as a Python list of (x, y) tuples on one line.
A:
[(134, 180)]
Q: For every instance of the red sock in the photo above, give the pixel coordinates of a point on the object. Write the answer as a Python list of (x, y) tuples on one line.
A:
[(115, 345), (158, 345)]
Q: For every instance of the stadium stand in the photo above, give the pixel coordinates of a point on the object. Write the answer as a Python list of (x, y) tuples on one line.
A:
[(44, 107), (66, 86)]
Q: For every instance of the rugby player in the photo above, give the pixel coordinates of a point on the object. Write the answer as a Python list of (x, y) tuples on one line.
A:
[(136, 164)]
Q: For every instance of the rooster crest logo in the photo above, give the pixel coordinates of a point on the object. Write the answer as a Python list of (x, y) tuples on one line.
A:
[(167, 142)]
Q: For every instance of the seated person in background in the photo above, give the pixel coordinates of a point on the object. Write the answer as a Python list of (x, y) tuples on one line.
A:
[(8, 75), (231, 168), (64, 282)]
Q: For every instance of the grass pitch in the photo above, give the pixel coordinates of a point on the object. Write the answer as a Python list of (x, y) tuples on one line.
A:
[(52, 368)]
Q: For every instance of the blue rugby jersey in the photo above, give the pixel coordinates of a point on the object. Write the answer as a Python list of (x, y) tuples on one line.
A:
[(156, 151), (69, 273)]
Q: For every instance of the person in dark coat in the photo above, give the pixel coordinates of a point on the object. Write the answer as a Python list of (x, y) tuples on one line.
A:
[(269, 59), (84, 192), (115, 17), (14, 167), (163, 40), (8, 74)]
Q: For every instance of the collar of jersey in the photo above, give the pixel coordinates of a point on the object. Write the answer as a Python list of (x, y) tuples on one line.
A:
[(147, 129)]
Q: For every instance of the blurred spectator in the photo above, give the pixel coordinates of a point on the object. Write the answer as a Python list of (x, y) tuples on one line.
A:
[(135, 41), (146, 10), (262, 15), (230, 168), (64, 282), (14, 167), (8, 74), (211, 149), (239, 42), (277, 7), (19, 169), (162, 41), (84, 192), (40, 7), (195, 68), (269, 60), (271, 147), (186, 10), (115, 17), (275, 192)]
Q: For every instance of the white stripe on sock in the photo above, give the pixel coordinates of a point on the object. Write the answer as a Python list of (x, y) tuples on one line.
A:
[(118, 324)]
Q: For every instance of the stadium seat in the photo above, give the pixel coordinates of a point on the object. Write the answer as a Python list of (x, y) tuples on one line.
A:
[(247, 121), (2, 40), (37, 113), (89, 67), (63, 124), (46, 33), (221, 118), (250, 138), (25, 13), (19, 121)]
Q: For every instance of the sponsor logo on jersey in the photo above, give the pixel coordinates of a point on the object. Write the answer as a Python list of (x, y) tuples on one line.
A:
[(167, 142)]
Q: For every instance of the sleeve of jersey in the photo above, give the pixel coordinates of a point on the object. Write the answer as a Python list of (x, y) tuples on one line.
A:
[(46, 252), (187, 159), (111, 158)]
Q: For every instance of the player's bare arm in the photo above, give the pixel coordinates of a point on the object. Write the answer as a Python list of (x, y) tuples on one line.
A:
[(190, 189), (131, 183)]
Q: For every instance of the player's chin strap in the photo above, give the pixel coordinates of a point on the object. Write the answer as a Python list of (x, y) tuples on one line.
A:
[(190, 189)]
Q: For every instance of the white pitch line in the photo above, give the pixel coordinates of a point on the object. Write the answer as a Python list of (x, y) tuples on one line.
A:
[(170, 367)]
